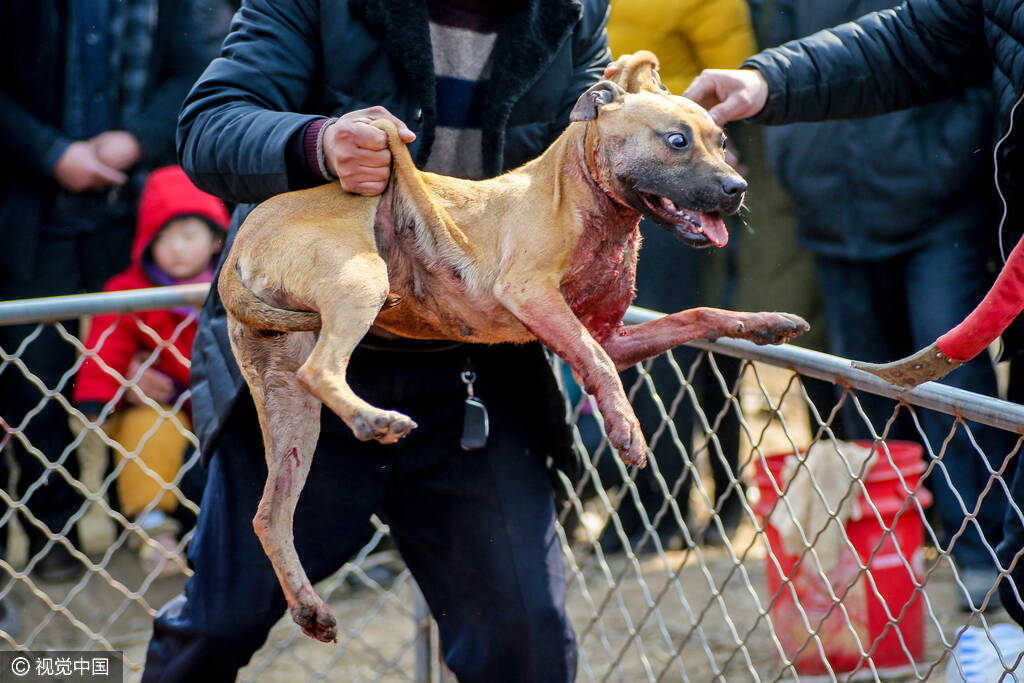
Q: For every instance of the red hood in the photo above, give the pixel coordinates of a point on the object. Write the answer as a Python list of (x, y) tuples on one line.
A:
[(170, 194)]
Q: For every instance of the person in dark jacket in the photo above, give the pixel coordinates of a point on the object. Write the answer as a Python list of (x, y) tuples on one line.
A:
[(918, 53), (901, 230), (482, 87), (88, 95)]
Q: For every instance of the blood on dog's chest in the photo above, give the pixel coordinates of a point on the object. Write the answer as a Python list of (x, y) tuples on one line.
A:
[(599, 284)]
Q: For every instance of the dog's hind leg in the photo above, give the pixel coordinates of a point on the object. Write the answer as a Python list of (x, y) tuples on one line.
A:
[(290, 422), (349, 303)]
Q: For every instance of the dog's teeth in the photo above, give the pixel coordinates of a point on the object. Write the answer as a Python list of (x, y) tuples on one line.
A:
[(669, 204)]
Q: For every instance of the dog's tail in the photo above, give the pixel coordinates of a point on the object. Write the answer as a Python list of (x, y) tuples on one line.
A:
[(449, 243), (251, 310)]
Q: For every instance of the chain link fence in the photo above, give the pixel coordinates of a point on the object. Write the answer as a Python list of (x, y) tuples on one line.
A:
[(758, 544)]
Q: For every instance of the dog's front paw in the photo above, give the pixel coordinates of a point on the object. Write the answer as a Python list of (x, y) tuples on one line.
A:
[(315, 618), (626, 437), (386, 426), (774, 328)]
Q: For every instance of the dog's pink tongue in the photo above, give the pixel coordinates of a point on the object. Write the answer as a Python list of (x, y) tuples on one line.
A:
[(712, 225)]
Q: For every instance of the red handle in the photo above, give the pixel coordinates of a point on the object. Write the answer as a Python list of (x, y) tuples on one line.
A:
[(1001, 305)]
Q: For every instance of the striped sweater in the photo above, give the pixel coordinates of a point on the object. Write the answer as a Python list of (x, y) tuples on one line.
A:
[(462, 34)]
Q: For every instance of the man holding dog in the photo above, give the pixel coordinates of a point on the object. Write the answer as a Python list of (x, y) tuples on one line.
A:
[(919, 52), (476, 88)]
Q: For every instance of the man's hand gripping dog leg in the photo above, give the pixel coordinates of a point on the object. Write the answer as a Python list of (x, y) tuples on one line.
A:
[(543, 310)]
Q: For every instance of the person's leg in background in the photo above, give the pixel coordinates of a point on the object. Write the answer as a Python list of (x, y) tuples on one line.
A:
[(772, 272), (671, 454), (945, 280), (38, 424), (64, 264), (723, 451), (1011, 551), (866, 319), (38, 435), (154, 444), (1011, 548)]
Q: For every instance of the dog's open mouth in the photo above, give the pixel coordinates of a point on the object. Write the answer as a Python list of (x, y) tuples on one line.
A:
[(708, 224)]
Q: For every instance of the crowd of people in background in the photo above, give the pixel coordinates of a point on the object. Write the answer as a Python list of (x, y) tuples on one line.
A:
[(894, 217)]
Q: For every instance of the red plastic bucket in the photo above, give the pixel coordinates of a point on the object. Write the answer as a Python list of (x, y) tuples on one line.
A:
[(887, 540)]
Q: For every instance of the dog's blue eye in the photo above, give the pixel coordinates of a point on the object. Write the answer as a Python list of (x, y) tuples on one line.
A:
[(677, 141)]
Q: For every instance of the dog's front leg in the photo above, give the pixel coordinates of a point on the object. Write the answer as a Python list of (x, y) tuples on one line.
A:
[(543, 310), (634, 343)]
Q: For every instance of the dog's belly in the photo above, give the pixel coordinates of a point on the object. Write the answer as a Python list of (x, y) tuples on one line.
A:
[(438, 298), (449, 316), (437, 303)]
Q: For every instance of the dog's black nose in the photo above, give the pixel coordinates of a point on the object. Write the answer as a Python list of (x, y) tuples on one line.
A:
[(733, 185)]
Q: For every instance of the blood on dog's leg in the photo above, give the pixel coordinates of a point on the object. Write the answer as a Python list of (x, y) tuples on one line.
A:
[(544, 312), (290, 422), (349, 303), (631, 344)]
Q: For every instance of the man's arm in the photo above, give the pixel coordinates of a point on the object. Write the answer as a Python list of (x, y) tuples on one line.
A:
[(239, 134), (921, 51), (237, 122)]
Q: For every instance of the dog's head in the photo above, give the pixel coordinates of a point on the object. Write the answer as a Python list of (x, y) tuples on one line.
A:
[(660, 153)]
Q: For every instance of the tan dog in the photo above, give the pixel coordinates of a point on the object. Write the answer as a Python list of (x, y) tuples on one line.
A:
[(546, 252)]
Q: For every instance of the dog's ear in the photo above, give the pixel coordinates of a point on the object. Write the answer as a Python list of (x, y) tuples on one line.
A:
[(598, 95), (638, 72)]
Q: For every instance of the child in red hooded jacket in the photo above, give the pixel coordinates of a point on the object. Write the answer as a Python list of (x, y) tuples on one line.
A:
[(178, 238)]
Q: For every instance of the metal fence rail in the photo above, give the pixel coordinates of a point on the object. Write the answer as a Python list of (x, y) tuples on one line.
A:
[(739, 554)]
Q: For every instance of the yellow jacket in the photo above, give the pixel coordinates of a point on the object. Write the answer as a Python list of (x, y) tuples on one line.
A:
[(687, 35)]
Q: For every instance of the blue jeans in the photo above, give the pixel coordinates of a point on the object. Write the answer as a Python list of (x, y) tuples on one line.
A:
[(477, 529), (879, 311)]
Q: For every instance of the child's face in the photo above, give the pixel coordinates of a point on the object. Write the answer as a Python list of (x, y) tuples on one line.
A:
[(184, 247)]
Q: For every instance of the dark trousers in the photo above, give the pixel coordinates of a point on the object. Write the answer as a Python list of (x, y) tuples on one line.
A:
[(477, 529), (879, 311), (37, 425)]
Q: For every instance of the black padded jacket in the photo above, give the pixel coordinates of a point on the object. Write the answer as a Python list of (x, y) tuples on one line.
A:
[(919, 52), (871, 188)]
